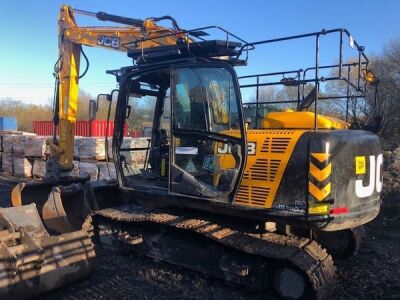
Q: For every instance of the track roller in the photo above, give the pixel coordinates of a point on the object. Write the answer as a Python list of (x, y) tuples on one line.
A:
[(290, 283)]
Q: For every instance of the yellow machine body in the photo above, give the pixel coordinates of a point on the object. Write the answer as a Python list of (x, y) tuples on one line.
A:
[(301, 120), (268, 153), (291, 166)]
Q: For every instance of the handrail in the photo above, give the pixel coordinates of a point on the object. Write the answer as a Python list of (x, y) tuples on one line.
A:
[(299, 78)]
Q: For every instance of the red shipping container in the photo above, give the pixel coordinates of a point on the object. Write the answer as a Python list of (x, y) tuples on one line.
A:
[(82, 128), (135, 133)]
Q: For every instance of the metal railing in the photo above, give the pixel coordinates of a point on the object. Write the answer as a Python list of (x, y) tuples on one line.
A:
[(300, 78)]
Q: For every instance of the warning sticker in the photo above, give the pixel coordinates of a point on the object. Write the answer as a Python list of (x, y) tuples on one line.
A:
[(191, 167), (360, 165)]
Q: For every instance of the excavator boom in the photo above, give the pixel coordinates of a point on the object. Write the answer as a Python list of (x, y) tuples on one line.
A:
[(139, 34)]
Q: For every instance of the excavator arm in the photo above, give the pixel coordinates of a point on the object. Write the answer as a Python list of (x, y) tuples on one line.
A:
[(134, 35)]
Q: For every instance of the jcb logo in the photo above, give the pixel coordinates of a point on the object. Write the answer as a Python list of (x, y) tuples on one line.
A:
[(225, 148), (375, 178), (108, 41)]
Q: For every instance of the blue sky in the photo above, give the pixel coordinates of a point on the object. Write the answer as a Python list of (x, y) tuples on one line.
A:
[(28, 31)]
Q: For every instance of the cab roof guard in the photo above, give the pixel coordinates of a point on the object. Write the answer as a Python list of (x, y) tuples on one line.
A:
[(193, 43)]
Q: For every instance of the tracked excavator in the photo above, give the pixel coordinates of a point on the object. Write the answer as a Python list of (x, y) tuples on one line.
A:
[(263, 205)]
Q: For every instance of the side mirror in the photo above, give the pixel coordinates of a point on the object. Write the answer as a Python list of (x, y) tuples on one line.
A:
[(108, 97), (92, 110)]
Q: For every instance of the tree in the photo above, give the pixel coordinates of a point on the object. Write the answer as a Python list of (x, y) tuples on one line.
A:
[(21, 110), (24, 113), (387, 69), (358, 108)]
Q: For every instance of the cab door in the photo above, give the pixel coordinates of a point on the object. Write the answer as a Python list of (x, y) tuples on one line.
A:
[(208, 142)]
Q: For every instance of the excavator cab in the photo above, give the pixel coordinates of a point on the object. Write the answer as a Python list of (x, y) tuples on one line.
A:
[(192, 108)]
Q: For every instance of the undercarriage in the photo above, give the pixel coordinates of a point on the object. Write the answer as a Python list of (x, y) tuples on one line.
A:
[(295, 267)]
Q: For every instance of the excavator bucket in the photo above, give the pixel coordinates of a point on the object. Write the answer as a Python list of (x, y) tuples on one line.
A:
[(37, 192), (45, 238), (66, 208), (62, 205), (44, 243), (32, 261)]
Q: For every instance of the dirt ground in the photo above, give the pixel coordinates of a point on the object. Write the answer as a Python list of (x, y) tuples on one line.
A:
[(373, 273)]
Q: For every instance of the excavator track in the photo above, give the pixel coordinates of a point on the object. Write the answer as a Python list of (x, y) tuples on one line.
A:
[(256, 260)]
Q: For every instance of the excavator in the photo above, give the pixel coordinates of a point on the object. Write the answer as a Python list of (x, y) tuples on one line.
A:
[(265, 206)]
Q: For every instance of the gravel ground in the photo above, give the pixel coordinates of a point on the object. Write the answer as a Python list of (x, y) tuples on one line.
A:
[(372, 273)]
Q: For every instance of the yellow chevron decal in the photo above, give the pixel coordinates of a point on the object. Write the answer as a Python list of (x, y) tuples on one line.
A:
[(321, 157), (319, 174), (319, 194)]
